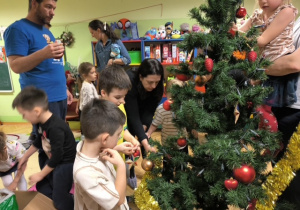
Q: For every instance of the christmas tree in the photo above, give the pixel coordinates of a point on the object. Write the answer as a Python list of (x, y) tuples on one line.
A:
[(227, 168)]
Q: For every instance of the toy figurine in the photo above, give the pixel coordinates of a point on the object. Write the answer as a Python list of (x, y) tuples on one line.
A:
[(124, 25), (184, 28), (115, 51), (161, 34), (196, 28), (176, 34), (169, 29), (151, 34)]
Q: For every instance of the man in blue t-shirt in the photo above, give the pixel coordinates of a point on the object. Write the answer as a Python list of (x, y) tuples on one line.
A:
[(34, 54)]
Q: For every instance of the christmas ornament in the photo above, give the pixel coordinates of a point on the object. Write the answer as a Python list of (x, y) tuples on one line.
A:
[(241, 12), (136, 153), (183, 77), (202, 80), (181, 143), (251, 205), (67, 38), (252, 55), (236, 113), (147, 165), (245, 174), (267, 120), (231, 184), (209, 64), (200, 89), (167, 104), (239, 55), (232, 32)]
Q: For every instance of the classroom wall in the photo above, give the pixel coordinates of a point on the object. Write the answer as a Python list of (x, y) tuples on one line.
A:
[(81, 49)]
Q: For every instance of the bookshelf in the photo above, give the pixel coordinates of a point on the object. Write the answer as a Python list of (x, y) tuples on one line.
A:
[(165, 50)]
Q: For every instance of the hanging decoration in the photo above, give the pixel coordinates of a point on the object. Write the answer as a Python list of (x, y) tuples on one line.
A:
[(239, 55), (282, 174), (143, 198), (67, 38), (252, 55)]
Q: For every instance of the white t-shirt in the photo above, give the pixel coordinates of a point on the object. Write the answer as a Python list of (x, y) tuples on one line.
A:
[(15, 150), (95, 184), (297, 45), (87, 93)]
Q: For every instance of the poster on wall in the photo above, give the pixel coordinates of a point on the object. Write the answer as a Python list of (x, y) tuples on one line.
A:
[(6, 85)]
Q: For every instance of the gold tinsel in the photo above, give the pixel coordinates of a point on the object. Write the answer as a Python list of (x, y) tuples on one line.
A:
[(143, 199), (239, 55), (282, 174)]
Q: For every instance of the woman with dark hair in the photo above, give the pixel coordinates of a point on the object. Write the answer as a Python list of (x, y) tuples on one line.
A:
[(106, 37), (143, 98)]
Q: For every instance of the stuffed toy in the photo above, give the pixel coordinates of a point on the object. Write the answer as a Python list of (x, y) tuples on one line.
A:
[(184, 28), (115, 51), (176, 34), (161, 34), (151, 34), (124, 25), (169, 29)]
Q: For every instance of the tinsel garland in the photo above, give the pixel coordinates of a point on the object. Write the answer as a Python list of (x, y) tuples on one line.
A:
[(282, 174), (143, 199)]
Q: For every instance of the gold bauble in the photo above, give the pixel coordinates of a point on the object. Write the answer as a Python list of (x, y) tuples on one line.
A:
[(147, 165)]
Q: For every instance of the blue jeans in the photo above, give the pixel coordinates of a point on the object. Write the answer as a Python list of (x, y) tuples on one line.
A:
[(57, 186)]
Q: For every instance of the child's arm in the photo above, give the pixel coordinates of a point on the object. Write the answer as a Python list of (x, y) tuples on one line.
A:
[(40, 175), (130, 138), (280, 22), (120, 183), (32, 149), (151, 130), (245, 27), (77, 107), (20, 172)]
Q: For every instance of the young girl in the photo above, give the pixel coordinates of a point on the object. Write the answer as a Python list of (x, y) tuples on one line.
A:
[(276, 19), (88, 91), (10, 153)]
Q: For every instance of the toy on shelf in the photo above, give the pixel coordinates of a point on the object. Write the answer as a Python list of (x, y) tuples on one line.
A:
[(161, 32), (185, 28), (115, 51), (196, 28), (176, 34), (125, 29), (150, 34), (169, 29)]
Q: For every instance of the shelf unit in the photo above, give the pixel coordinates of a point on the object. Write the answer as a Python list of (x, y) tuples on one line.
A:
[(136, 48)]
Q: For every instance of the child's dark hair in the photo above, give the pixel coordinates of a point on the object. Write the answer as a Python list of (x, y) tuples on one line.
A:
[(2, 141), (105, 28), (85, 68), (31, 97), (100, 116), (114, 76)]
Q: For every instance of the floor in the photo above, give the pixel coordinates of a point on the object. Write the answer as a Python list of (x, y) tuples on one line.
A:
[(32, 166)]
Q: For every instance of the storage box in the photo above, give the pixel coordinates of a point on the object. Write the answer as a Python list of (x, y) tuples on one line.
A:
[(29, 200), (135, 57)]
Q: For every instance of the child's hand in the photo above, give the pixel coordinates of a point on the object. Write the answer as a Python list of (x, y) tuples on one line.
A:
[(77, 110), (12, 186), (148, 135), (33, 179), (126, 147), (135, 142), (112, 156)]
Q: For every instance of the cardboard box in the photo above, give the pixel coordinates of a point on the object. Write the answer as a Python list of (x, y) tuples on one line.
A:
[(30, 200)]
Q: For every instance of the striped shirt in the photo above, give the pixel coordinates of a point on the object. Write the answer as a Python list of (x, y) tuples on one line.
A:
[(165, 118)]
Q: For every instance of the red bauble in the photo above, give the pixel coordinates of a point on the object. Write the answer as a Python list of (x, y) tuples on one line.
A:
[(252, 55), (251, 205), (181, 143), (136, 153), (182, 77), (231, 184), (209, 64), (232, 32), (245, 174), (167, 105), (241, 12)]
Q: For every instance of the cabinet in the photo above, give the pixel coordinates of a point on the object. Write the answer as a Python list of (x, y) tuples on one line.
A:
[(165, 50)]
